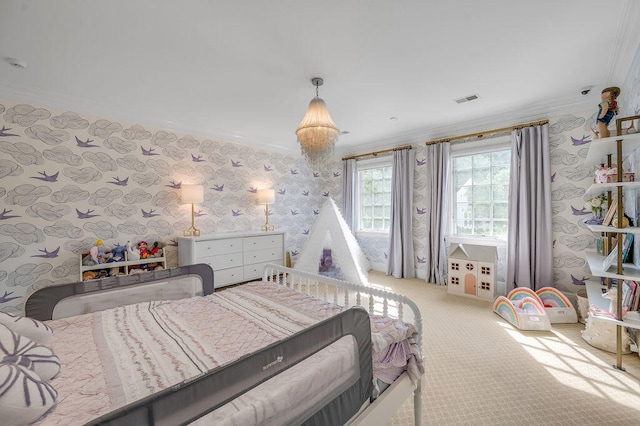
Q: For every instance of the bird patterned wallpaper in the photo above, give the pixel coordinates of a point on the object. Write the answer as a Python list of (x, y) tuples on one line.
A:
[(68, 179)]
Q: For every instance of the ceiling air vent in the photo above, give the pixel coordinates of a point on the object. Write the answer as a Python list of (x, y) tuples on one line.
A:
[(467, 99)]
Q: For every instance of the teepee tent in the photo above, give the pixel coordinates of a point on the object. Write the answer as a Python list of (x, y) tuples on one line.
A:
[(330, 231)]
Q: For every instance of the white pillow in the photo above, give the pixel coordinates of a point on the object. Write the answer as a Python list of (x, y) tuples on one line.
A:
[(35, 330), (40, 359), (24, 397)]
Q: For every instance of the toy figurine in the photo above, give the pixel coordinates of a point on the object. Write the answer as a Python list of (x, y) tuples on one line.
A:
[(607, 109), (144, 249), (158, 249)]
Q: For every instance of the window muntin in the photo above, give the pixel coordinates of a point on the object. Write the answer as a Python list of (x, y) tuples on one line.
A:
[(480, 193), (374, 196)]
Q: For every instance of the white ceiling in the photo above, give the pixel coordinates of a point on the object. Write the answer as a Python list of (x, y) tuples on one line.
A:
[(240, 71)]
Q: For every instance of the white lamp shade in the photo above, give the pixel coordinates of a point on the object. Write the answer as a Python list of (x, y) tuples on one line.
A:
[(266, 196), (192, 194)]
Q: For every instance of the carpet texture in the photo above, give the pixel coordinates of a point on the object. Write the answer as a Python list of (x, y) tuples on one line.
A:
[(480, 370)]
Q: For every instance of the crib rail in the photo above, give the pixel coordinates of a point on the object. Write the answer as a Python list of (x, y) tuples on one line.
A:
[(375, 301)]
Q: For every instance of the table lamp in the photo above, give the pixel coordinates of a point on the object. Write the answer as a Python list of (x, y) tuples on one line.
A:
[(192, 194), (266, 197)]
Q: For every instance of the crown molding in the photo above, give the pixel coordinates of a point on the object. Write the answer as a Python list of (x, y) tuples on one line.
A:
[(625, 45), (511, 117)]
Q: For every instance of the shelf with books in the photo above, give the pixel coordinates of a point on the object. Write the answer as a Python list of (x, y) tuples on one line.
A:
[(596, 263), (611, 152)]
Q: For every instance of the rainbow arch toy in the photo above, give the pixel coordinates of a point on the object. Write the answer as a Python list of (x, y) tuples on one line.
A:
[(558, 307), (524, 312), (529, 310)]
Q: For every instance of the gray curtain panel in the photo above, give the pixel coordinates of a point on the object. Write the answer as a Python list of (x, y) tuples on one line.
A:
[(348, 191), (437, 164), (401, 263), (529, 246)]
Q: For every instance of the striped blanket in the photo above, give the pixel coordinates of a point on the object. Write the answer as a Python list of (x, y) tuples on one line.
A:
[(114, 357)]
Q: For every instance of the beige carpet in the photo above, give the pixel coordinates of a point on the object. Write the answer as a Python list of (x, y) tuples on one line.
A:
[(480, 370)]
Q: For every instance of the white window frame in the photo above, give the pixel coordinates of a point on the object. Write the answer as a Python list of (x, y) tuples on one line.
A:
[(373, 163), (461, 150)]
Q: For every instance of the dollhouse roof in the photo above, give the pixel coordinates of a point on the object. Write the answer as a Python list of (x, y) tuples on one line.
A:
[(473, 252)]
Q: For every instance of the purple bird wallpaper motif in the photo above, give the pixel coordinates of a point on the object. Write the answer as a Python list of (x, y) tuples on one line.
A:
[(118, 181), (3, 132), (5, 216), (45, 177), (148, 151), (85, 144), (47, 254)]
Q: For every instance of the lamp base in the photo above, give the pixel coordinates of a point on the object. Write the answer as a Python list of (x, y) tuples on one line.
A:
[(266, 227), (191, 232)]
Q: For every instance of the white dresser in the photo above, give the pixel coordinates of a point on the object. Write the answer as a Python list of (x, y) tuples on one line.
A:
[(235, 257)]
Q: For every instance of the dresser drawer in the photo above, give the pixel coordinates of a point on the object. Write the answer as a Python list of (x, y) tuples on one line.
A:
[(258, 256), (215, 247), (263, 242), (254, 272), (228, 276), (222, 261)]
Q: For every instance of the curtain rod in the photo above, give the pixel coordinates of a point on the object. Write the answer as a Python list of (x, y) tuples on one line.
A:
[(376, 153), (480, 135)]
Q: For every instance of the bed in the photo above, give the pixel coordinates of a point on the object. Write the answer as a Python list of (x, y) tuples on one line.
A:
[(294, 348)]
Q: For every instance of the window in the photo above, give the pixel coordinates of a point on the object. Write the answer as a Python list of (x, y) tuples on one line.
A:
[(480, 191), (373, 206)]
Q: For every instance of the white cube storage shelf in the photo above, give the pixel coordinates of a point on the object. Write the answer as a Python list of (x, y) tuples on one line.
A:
[(472, 271), (234, 257)]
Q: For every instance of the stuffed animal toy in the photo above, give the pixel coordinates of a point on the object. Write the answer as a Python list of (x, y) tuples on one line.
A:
[(98, 252), (144, 249), (158, 249), (88, 261), (132, 252), (118, 253)]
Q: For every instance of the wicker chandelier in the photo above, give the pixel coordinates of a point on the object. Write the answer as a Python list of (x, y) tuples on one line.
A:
[(317, 133)]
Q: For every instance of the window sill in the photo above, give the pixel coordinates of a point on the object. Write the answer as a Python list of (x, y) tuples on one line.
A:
[(481, 241), (371, 234)]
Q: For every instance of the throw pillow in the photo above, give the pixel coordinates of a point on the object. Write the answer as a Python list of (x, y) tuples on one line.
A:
[(24, 397), (40, 359), (35, 330)]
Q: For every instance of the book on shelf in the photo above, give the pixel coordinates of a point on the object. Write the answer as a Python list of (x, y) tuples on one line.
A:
[(628, 291), (636, 299), (626, 247), (611, 212), (610, 259)]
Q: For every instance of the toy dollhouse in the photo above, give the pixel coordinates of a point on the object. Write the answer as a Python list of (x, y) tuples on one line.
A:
[(472, 271)]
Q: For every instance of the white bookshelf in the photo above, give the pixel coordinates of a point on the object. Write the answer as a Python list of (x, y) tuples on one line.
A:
[(600, 148), (605, 151)]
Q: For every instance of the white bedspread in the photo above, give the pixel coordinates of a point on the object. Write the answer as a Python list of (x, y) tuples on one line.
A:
[(115, 357)]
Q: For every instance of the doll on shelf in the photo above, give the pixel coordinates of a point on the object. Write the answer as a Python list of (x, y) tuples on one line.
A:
[(607, 109)]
